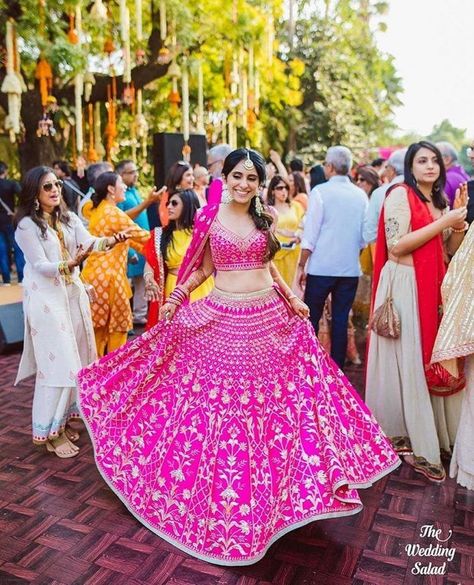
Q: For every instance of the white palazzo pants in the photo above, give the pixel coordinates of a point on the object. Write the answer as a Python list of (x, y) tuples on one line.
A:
[(396, 389), (53, 406)]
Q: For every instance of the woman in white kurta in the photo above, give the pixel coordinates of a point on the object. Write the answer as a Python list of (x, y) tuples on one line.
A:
[(59, 339)]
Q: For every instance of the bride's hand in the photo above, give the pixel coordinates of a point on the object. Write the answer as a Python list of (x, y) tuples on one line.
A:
[(299, 307), (167, 311)]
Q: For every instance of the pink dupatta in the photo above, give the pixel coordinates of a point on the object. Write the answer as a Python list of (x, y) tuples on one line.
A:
[(202, 225)]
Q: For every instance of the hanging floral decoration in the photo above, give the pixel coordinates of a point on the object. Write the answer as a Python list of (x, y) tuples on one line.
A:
[(13, 84)]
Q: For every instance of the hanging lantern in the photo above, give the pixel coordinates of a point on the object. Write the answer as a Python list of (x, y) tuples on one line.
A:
[(244, 98), (72, 35), (141, 123), (257, 92), (98, 10), (234, 78), (12, 86), (174, 98), (109, 46), (270, 38), (128, 96), (163, 28), (124, 21), (92, 155), (89, 82), (138, 20), (127, 62), (185, 107), (78, 91), (44, 74), (164, 56), (111, 128), (140, 56), (99, 147), (51, 105), (200, 108)]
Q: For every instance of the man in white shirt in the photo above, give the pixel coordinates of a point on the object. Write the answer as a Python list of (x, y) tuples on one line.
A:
[(332, 240), (394, 174)]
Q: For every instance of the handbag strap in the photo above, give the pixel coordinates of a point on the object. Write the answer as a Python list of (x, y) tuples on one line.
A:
[(390, 281)]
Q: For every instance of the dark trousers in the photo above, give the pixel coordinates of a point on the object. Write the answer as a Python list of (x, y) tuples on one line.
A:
[(342, 290), (7, 244)]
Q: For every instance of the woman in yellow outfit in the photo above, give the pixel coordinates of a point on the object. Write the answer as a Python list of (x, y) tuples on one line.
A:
[(107, 271), (288, 227), (165, 252)]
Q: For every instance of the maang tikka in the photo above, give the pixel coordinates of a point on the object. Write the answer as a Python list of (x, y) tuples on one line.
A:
[(248, 164)]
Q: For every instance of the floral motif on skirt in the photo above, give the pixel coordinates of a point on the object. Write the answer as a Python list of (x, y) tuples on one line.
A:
[(230, 426)]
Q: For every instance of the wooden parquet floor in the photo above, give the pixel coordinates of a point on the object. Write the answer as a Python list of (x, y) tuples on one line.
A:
[(61, 525)]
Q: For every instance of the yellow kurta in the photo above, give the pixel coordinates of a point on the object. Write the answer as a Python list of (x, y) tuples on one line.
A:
[(175, 252), (286, 260), (107, 271)]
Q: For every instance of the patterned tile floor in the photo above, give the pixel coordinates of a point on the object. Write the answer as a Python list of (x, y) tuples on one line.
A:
[(60, 524)]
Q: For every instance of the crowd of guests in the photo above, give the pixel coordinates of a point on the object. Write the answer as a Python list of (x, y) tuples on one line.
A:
[(350, 237)]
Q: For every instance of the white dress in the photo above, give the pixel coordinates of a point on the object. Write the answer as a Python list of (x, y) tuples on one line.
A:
[(59, 338)]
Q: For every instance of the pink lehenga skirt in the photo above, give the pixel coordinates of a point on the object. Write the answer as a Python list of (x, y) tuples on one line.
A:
[(230, 426)]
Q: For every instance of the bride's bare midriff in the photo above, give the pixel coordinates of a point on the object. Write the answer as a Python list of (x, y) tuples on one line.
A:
[(241, 281)]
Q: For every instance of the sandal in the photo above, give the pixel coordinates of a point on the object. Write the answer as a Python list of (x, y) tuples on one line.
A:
[(431, 471), (62, 447), (71, 434), (402, 445)]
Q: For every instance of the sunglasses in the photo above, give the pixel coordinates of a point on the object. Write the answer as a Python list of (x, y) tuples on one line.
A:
[(183, 163), (173, 203), (49, 186), (280, 188)]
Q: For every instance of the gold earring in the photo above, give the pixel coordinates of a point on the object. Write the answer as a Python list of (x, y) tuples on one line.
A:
[(226, 196), (37, 205), (258, 205)]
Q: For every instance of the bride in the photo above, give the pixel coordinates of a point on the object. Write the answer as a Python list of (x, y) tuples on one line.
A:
[(227, 425)]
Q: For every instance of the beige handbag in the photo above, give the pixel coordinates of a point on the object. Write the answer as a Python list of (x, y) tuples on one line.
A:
[(385, 320)]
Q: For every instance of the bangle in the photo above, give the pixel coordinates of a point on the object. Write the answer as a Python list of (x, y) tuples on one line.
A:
[(465, 228), (64, 269), (291, 297), (145, 274), (177, 297)]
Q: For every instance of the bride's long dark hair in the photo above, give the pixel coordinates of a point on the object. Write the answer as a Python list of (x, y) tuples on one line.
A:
[(264, 221)]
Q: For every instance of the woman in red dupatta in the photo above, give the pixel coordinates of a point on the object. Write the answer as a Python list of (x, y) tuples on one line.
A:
[(416, 403)]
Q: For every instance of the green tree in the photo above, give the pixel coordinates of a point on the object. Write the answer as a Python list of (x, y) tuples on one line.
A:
[(445, 131), (350, 89), (218, 33)]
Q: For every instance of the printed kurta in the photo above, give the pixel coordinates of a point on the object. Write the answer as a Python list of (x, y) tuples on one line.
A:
[(59, 338), (50, 348), (107, 271)]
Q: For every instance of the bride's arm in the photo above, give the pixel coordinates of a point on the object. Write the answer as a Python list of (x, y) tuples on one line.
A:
[(200, 275), (184, 289), (298, 306), (277, 277)]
